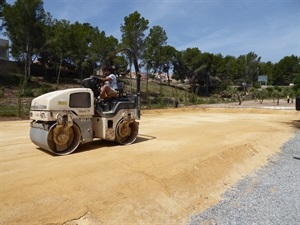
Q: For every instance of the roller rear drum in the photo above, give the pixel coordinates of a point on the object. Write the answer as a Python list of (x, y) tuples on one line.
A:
[(126, 132)]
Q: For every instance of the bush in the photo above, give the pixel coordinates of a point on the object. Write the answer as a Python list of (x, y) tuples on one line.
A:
[(29, 92), (10, 79), (44, 89), (257, 85), (1, 94)]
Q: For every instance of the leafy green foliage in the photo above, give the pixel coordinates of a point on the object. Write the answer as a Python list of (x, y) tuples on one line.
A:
[(133, 35), (297, 83), (79, 49), (2, 4), (154, 43), (262, 95), (286, 70), (10, 79)]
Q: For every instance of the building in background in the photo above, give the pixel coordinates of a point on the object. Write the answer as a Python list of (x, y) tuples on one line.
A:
[(263, 79), (4, 49)]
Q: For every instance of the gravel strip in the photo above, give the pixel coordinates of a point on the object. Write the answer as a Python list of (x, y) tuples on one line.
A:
[(270, 196)]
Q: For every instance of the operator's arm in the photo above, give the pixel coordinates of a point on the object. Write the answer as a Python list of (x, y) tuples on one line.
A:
[(105, 79)]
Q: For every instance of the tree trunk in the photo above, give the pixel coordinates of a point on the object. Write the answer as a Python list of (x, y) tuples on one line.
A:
[(239, 98), (207, 84), (59, 71), (27, 67)]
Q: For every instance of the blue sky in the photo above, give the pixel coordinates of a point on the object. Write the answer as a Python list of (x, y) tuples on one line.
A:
[(270, 28)]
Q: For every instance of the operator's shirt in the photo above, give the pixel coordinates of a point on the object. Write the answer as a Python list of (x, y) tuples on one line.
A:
[(113, 82)]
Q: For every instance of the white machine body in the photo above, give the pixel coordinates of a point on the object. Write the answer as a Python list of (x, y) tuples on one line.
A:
[(61, 120)]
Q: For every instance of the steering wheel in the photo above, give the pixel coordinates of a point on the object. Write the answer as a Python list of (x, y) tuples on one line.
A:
[(97, 84)]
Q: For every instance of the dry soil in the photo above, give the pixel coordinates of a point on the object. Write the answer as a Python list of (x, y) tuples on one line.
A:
[(181, 163)]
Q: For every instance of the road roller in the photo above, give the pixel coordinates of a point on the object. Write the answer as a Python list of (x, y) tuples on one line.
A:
[(63, 120)]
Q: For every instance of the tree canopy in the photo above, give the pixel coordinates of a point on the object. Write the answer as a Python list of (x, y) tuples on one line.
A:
[(133, 33), (81, 48)]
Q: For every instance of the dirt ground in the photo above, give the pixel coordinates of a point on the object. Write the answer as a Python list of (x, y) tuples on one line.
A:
[(181, 163)]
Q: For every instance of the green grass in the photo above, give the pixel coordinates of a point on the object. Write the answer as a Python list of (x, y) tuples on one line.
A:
[(9, 111), (14, 110), (20, 110)]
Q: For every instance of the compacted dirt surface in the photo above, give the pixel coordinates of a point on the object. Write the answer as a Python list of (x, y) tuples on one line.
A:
[(181, 163)]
